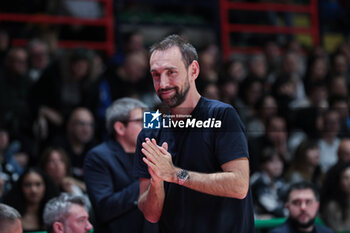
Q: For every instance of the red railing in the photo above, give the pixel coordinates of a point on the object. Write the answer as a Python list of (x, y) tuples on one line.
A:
[(106, 21), (227, 27)]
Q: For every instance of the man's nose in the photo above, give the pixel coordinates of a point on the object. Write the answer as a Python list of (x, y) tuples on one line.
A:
[(164, 81), (89, 226), (303, 205)]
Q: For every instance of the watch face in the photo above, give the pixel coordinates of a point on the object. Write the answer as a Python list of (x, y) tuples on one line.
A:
[(182, 174)]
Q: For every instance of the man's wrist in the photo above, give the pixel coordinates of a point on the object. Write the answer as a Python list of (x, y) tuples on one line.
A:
[(156, 183), (182, 176), (175, 178)]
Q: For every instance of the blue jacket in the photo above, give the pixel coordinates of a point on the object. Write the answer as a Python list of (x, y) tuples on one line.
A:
[(286, 228), (114, 191)]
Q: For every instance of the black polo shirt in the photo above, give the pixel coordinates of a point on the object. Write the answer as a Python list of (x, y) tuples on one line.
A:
[(202, 150)]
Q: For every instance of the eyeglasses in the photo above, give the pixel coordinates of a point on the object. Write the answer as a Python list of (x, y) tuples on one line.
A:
[(138, 120)]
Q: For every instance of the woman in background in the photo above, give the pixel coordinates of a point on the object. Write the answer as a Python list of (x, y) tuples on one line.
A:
[(335, 199), (29, 196), (56, 164), (305, 165)]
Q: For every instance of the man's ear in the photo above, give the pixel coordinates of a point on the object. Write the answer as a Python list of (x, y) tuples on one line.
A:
[(58, 227), (318, 205), (287, 205), (119, 128), (194, 70)]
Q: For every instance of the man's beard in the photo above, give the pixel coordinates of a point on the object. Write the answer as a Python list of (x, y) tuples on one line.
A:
[(178, 98), (298, 225)]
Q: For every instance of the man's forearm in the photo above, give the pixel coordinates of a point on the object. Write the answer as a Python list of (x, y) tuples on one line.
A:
[(151, 200), (232, 182), (225, 184)]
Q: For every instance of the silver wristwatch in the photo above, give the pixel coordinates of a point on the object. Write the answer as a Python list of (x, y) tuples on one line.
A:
[(182, 176)]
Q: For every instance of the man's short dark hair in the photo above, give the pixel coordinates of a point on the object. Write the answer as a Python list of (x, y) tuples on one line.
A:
[(302, 186), (188, 52)]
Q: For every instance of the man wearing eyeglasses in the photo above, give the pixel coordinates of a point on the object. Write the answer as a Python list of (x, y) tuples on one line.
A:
[(111, 186), (78, 139), (302, 204)]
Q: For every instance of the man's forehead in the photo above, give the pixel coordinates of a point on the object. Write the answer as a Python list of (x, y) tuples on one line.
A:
[(77, 211), (174, 50), (166, 58), (301, 194), (136, 112)]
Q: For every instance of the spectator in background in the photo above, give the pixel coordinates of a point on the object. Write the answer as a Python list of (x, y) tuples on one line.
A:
[(131, 42), (134, 42), (67, 214), (12, 161), (250, 91), (308, 114), (338, 86), (64, 86), (268, 188), (305, 165), (55, 162), (257, 70), (210, 91), (344, 47), (209, 71), (284, 91), (265, 108), (38, 57), (29, 196), (339, 66), (78, 140), (344, 151), (10, 220), (14, 90), (294, 46), (257, 67), (130, 78), (340, 105), (316, 95), (317, 70), (276, 136), (335, 209), (112, 188), (302, 204), (234, 70), (292, 69), (228, 90), (329, 141), (273, 57)]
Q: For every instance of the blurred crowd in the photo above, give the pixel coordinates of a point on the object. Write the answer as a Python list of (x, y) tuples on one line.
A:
[(294, 102)]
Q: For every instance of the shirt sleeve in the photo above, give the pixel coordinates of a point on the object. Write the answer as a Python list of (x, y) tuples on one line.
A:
[(140, 169), (230, 141)]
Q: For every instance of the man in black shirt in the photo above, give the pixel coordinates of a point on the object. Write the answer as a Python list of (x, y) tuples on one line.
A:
[(198, 179)]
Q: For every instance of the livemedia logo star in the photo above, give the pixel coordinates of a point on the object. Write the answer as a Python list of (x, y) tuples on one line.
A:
[(151, 120)]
